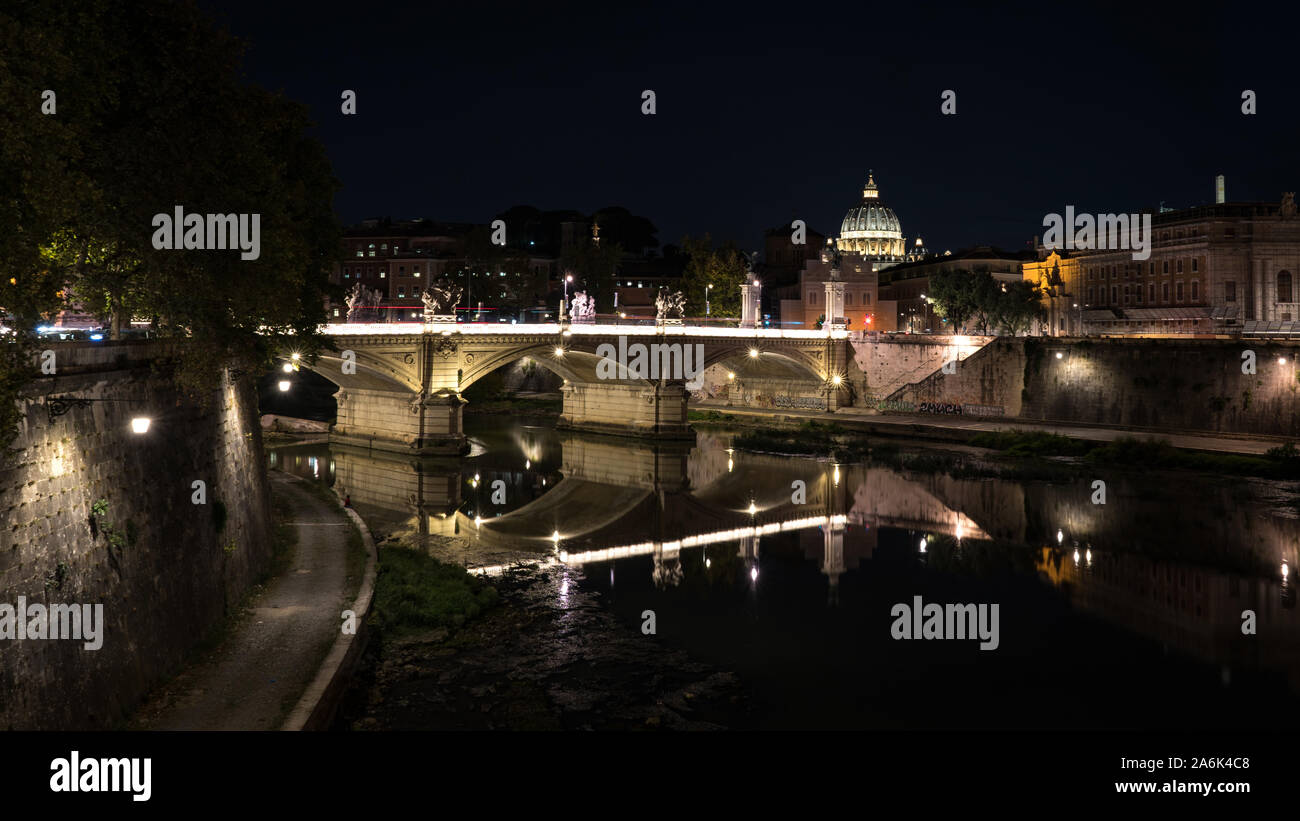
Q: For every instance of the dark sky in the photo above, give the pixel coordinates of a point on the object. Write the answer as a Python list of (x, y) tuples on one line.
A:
[(768, 112)]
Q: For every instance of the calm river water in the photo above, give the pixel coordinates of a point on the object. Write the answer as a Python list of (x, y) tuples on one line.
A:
[(786, 573)]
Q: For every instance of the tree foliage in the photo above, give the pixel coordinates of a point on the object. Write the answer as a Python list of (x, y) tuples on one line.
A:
[(725, 268), (152, 113), (594, 267), (977, 301)]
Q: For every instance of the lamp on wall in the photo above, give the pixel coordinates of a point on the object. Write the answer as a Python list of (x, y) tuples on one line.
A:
[(56, 406)]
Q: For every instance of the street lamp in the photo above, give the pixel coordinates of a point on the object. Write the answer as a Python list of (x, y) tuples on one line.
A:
[(284, 385), (707, 310), (140, 424), (567, 279)]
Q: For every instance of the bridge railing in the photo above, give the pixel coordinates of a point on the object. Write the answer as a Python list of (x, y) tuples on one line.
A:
[(577, 329)]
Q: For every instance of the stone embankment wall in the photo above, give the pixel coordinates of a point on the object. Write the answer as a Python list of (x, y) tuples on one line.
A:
[(1147, 384), (93, 513)]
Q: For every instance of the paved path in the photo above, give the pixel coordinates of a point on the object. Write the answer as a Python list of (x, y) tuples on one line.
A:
[(255, 677), (961, 428)]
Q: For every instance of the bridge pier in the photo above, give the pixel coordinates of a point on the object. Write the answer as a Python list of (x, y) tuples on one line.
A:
[(626, 408), (399, 421)]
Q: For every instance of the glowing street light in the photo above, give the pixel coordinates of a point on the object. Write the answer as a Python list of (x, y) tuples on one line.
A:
[(707, 288), (753, 353), (140, 424), (284, 385), (287, 367)]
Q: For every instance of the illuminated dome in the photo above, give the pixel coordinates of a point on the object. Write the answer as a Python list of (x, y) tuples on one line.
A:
[(871, 229)]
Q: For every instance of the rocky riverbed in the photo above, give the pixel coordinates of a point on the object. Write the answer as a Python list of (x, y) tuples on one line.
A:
[(549, 657)]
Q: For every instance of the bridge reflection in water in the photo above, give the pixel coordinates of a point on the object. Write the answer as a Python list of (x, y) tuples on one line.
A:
[(536, 494)]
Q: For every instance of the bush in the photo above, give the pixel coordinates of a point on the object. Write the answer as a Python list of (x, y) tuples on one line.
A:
[(414, 591)]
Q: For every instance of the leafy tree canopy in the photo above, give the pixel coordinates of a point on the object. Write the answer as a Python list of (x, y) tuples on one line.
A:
[(152, 113), (725, 268)]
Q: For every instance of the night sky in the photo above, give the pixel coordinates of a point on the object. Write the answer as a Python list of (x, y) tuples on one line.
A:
[(770, 112)]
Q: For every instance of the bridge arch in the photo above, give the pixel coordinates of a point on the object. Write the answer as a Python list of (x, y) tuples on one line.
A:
[(374, 369), (578, 363), (793, 360)]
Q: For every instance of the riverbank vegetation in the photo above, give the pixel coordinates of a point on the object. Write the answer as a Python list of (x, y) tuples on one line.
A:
[(1021, 454), (1281, 462), (414, 592)]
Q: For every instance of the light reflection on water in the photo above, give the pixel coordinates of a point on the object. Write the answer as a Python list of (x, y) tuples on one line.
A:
[(1173, 563)]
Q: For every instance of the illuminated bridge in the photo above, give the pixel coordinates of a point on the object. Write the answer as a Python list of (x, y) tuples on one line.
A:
[(401, 384)]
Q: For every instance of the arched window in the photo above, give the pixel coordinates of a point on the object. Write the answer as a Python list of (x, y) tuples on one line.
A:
[(1284, 286)]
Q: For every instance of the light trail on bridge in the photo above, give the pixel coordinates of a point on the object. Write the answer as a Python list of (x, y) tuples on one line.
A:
[(486, 329)]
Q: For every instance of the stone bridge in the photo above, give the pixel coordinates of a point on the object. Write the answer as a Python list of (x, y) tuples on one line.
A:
[(401, 384)]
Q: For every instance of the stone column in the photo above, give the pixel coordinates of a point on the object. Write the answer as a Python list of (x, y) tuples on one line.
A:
[(751, 304), (1257, 286), (1270, 290), (834, 305)]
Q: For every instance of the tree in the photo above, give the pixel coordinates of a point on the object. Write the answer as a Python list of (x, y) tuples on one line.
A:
[(952, 294), (152, 114), (726, 269), (594, 267), (1019, 307)]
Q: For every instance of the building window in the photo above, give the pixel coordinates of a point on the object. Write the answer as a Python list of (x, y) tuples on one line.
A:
[(346, 275), (1137, 294), (1230, 292), (1114, 295), (1091, 295), (383, 274), (812, 297), (1196, 291), (1164, 266), (1180, 266), (401, 271), (1164, 293), (1178, 291), (848, 299), (1195, 267), (401, 291), (1284, 286), (361, 253)]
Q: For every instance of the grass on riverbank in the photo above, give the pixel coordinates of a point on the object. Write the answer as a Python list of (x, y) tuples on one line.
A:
[(1029, 453), (1131, 452), (815, 439), (414, 592)]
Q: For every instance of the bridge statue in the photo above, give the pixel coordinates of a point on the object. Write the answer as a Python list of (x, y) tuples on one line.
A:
[(362, 303), (583, 308), (669, 303), (440, 301)]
